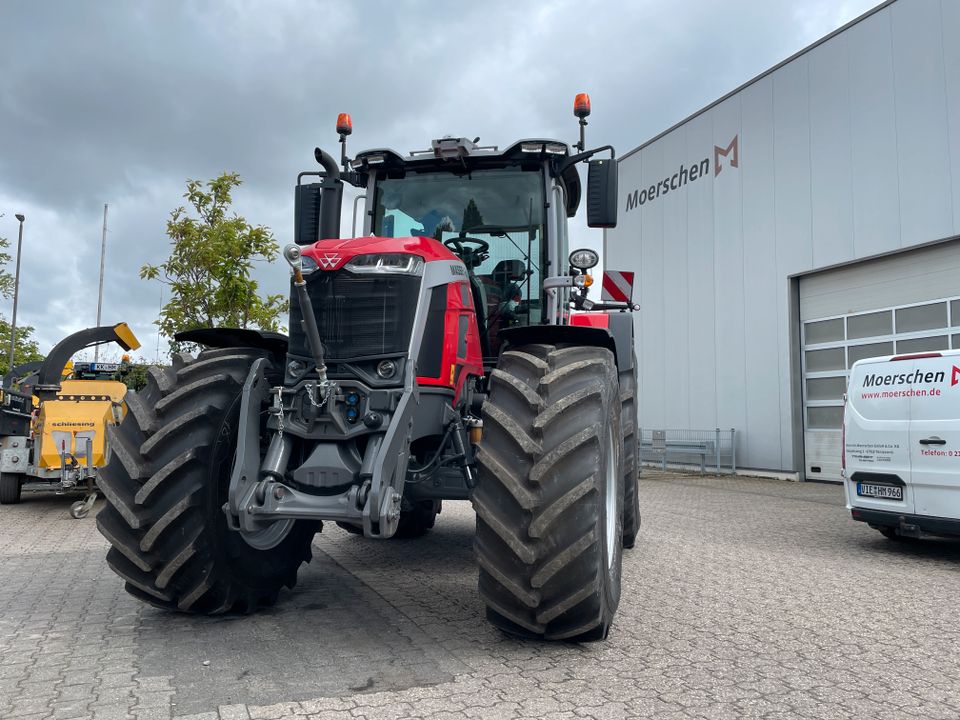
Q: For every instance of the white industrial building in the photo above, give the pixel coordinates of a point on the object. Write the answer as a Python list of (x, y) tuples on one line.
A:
[(807, 219)]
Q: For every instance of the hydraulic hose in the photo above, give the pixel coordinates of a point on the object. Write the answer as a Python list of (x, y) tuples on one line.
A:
[(309, 321)]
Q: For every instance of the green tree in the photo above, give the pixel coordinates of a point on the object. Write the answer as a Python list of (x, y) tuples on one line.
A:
[(134, 375), (26, 349), (471, 216), (209, 268), (445, 225), (6, 279)]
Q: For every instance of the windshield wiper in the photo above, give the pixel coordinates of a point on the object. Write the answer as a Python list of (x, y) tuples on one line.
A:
[(498, 231)]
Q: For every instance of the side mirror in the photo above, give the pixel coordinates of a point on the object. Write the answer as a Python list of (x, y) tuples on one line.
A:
[(306, 214), (602, 193)]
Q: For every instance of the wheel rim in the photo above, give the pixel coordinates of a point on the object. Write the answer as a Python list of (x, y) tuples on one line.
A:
[(269, 537), (269, 534), (610, 502)]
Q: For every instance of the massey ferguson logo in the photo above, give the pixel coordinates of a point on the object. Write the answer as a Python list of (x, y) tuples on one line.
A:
[(329, 260), (729, 155), (955, 376)]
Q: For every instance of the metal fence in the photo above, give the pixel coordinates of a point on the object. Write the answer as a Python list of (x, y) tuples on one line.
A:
[(715, 449)]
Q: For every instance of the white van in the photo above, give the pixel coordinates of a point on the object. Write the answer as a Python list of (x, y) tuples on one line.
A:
[(901, 444)]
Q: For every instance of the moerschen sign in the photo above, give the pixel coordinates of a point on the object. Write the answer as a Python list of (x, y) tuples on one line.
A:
[(641, 196)]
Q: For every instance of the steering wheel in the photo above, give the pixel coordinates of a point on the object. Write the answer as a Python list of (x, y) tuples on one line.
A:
[(456, 244)]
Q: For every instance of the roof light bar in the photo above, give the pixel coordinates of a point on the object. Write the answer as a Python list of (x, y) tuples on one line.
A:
[(540, 147)]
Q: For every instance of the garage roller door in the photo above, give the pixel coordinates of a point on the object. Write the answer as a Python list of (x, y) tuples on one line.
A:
[(904, 303)]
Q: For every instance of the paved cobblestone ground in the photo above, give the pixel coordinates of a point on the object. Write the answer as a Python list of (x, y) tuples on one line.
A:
[(743, 598)]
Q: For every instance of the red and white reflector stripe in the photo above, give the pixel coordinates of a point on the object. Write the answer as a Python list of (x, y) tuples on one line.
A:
[(617, 286)]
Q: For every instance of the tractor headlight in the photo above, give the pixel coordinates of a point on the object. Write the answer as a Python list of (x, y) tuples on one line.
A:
[(386, 263), (386, 369), (584, 258), (308, 265)]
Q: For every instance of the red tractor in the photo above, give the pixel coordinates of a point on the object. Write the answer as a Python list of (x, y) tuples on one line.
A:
[(433, 357)]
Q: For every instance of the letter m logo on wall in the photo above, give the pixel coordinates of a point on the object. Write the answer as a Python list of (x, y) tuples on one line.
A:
[(731, 152)]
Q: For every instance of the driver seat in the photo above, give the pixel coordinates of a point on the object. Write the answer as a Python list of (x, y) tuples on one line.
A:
[(506, 272), (499, 283)]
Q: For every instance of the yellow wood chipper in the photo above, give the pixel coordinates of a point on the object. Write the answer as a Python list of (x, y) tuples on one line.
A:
[(53, 428)]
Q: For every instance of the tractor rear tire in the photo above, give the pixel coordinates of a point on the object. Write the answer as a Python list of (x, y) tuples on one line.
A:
[(419, 520), (165, 486), (631, 447), (549, 497), (10, 485)]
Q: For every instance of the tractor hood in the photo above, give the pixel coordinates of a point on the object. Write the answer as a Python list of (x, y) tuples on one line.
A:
[(328, 255)]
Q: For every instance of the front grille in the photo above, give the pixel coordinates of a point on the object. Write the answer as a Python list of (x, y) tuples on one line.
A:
[(357, 315)]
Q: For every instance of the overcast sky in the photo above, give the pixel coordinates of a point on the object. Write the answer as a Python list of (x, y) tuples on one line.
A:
[(120, 102)]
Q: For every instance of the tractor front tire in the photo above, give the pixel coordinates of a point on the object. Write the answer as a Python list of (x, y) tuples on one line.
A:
[(10, 485), (631, 453), (549, 497), (165, 486)]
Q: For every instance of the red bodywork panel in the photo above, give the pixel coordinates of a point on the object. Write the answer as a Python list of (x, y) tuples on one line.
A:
[(461, 345), (461, 355), (589, 319), (332, 254)]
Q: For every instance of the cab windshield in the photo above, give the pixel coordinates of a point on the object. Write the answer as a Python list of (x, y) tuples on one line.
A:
[(493, 219)]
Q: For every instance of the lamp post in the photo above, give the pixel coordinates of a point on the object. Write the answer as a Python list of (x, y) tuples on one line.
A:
[(16, 291)]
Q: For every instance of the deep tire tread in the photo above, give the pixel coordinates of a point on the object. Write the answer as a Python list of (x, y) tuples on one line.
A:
[(10, 489), (538, 498), (163, 485), (631, 455)]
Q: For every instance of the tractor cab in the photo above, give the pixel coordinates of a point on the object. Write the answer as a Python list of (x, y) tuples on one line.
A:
[(503, 213)]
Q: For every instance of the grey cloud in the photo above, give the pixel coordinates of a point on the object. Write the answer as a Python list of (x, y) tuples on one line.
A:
[(120, 102)]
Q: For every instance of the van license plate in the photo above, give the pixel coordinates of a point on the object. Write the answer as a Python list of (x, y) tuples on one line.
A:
[(887, 492)]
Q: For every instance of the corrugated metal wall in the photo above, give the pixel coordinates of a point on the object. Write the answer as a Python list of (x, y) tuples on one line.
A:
[(848, 151)]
